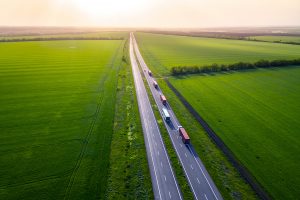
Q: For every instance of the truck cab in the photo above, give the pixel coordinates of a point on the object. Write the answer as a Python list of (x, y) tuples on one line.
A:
[(150, 73)]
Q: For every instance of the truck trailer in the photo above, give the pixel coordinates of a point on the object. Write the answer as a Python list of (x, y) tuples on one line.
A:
[(183, 134), (163, 99), (155, 84), (166, 115)]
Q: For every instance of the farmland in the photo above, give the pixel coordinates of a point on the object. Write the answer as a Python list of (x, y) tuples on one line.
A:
[(255, 113), (57, 118), (163, 52), (93, 35)]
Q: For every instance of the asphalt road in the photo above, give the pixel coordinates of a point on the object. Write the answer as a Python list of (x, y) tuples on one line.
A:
[(164, 183), (198, 178)]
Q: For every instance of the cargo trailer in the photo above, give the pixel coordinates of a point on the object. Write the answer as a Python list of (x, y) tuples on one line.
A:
[(163, 99), (155, 84), (166, 115), (183, 134)]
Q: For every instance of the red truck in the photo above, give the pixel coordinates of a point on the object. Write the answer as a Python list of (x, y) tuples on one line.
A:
[(150, 73), (183, 134), (163, 99), (155, 84)]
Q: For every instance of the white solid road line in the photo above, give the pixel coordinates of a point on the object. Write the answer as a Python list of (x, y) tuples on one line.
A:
[(203, 174), (140, 102), (164, 148), (193, 190), (205, 197)]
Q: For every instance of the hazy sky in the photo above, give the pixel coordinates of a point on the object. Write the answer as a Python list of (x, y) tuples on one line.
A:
[(150, 13)]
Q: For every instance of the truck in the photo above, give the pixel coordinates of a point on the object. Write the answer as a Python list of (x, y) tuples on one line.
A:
[(163, 99), (150, 73), (183, 134), (166, 115), (155, 84)]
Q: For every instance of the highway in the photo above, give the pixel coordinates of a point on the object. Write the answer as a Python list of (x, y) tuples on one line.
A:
[(198, 178), (164, 183)]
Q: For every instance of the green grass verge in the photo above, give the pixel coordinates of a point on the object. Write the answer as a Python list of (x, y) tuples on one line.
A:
[(256, 114), (162, 52), (57, 107), (129, 176)]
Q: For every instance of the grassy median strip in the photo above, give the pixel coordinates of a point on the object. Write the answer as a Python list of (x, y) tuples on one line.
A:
[(175, 163), (129, 176)]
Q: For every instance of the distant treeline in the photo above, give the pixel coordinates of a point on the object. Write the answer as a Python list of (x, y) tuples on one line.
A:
[(276, 41), (183, 70), (58, 38)]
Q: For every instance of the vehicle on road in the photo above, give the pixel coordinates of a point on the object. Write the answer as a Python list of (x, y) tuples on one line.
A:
[(183, 134), (163, 99), (150, 73), (166, 115), (155, 84)]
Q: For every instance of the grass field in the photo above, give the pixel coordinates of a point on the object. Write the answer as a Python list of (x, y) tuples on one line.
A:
[(165, 51), (103, 34), (256, 113), (57, 111), (271, 38)]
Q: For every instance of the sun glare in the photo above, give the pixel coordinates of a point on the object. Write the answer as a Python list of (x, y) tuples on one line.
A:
[(109, 7)]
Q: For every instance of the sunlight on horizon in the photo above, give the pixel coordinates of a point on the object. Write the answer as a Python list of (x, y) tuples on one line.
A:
[(150, 13)]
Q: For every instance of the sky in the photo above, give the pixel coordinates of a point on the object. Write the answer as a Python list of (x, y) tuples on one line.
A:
[(150, 13)]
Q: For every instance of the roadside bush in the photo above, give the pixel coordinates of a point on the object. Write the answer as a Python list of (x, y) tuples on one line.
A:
[(182, 70)]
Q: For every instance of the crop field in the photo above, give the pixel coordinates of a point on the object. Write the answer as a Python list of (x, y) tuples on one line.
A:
[(165, 51), (271, 38), (103, 34), (256, 113), (57, 108)]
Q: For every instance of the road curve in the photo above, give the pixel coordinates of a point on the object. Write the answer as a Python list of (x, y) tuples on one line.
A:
[(164, 182), (198, 178)]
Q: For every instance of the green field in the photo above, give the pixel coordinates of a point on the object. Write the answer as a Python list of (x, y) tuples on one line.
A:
[(165, 51), (57, 111), (270, 38), (103, 34), (256, 113)]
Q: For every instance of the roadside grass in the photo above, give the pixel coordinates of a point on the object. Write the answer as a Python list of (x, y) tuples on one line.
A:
[(256, 114), (162, 52), (57, 110), (175, 163), (225, 176), (129, 175)]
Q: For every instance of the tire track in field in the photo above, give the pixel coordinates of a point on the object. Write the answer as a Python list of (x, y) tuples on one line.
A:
[(92, 125)]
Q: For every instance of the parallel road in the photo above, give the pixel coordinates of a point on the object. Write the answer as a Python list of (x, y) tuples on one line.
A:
[(164, 182), (198, 178)]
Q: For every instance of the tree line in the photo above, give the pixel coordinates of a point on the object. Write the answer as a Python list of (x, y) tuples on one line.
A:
[(183, 70)]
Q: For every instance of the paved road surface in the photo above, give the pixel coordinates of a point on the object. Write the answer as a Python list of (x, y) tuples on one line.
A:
[(198, 178), (164, 182)]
